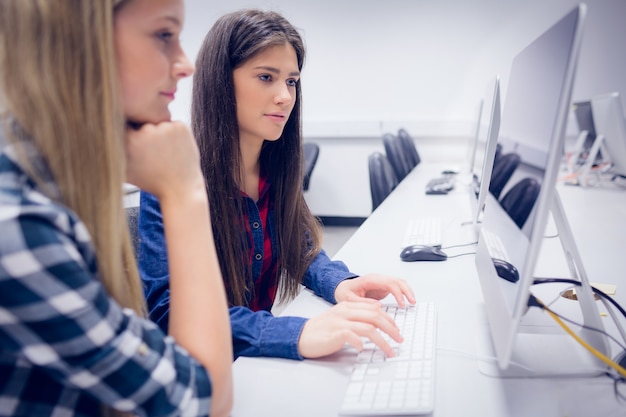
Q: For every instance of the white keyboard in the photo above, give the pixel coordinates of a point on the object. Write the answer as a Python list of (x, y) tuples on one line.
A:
[(425, 231), (404, 384), (495, 246)]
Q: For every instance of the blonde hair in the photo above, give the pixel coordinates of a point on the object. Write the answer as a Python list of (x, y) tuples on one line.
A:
[(59, 83)]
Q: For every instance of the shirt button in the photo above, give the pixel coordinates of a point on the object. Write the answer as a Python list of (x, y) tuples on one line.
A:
[(258, 257), (255, 225)]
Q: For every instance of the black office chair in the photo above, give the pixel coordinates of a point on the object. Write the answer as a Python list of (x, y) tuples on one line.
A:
[(132, 216), (396, 155), (519, 201), (311, 151), (503, 168), (409, 147), (382, 178), (498, 151)]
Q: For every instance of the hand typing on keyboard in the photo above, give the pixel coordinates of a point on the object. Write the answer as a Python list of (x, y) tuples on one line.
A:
[(372, 287), (402, 385), (348, 322), (357, 315)]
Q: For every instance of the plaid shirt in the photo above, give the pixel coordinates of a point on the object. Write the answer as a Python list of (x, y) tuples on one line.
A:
[(263, 257), (66, 347)]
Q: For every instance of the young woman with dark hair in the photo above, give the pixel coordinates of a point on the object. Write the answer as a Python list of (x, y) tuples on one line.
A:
[(246, 116)]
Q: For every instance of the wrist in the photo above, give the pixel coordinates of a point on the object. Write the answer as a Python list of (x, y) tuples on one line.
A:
[(191, 192)]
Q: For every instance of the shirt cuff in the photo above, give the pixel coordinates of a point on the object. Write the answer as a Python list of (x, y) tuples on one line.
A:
[(281, 336)]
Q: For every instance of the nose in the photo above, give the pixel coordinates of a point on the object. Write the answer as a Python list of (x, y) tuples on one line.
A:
[(283, 94), (182, 66)]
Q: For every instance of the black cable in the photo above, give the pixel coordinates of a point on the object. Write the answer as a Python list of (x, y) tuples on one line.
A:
[(616, 381), (533, 302), (574, 282)]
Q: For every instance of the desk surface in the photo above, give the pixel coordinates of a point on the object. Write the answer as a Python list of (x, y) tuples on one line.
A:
[(276, 387)]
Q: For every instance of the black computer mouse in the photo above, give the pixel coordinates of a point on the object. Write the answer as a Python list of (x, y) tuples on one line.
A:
[(449, 171), (437, 190), (506, 270), (422, 253)]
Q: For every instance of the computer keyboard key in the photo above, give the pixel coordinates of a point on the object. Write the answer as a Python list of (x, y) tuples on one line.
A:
[(400, 385), (425, 231)]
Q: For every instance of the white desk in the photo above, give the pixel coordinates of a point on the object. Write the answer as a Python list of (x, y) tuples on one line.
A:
[(276, 387)]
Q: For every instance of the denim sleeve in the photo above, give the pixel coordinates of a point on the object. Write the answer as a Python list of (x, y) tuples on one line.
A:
[(259, 333), (323, 276), (254, 333), (152, 260)]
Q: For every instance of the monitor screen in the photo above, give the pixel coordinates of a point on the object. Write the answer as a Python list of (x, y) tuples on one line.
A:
[(534, 117), (608, 118), (486, 147), (584, 120)]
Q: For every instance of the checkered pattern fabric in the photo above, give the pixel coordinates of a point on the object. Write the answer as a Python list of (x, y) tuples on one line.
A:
[(66, 347)]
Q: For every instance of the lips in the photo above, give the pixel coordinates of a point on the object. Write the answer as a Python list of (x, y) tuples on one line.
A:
[(169, 94), (278, 117)]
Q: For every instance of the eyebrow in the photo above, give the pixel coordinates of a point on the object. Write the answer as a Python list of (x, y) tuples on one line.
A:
[(172, 19), (277, 71)]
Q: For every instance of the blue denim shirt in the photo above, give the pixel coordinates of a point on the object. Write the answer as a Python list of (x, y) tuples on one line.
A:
[(255, 333)]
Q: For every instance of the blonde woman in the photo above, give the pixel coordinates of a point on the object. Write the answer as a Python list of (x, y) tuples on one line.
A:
[(74, 339)]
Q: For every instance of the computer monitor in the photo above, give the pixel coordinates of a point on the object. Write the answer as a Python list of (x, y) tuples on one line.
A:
[(487, 138), (475, 140), (533, 125), (584, 120), (608, 117)]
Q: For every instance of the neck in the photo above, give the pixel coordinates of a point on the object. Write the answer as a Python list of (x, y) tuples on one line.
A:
[(251, 167)]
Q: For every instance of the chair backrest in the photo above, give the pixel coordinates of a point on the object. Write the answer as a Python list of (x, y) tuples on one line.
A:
[(409, 147), (518, 202), (503, 168), (498, 151), (396, 155), (132, 216), (311, 151), (382, 178)]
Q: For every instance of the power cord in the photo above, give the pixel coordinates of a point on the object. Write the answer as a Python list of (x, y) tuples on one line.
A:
[(583, 326), (534, 301), (605, 298), (577, 283)]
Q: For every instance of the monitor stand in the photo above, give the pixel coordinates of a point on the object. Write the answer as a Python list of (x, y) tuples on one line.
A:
[(542, 350), (574, 155), (585, 172)]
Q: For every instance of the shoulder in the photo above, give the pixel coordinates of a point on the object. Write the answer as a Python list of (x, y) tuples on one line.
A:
[(34, 224)]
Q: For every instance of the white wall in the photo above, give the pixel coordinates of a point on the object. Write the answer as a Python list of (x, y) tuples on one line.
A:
[(420, 64)]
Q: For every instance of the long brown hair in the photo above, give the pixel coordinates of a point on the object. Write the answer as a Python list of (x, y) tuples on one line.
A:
[(59, 85), (234, 39)]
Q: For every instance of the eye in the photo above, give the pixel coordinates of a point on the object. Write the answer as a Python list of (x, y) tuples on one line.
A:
[(292, 82), (265, 77), (164, 35)]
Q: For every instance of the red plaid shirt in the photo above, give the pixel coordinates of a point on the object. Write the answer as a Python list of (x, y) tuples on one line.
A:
[(261, 240)]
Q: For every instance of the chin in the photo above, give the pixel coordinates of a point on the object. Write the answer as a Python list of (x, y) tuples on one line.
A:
[(151, 118), (274, 136)]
